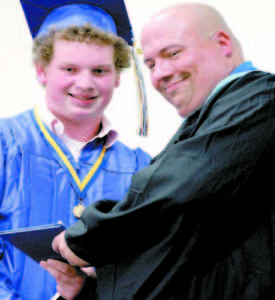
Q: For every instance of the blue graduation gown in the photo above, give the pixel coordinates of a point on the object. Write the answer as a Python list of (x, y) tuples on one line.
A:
[(36, 189)]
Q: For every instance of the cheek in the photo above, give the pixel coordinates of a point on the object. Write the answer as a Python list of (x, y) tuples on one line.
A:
[(154, 82), (107, 86), (61, 79)]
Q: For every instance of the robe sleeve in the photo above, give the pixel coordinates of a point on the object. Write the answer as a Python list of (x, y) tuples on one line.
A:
[(205, 187), (2, 166), (7, 290)]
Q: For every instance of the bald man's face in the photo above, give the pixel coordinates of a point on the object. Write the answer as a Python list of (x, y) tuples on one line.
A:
[(185, 64)]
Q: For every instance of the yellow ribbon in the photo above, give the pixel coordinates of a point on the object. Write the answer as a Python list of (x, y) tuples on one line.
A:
[(48, 137)]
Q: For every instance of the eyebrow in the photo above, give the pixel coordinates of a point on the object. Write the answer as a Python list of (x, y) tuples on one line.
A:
[(69, 64), (162, 51), (105, 65), (147, 60)]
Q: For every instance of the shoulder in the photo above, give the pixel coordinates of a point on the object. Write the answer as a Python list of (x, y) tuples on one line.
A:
[(133, 156), (17, 128), (256, 82), (242, 99), (20, 121)]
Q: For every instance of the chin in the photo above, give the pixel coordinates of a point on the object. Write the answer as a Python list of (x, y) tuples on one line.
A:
[(185, 111)]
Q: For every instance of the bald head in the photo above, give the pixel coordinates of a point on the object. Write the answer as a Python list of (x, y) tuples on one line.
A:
[(201, 17), (205, 14), (189, 49)]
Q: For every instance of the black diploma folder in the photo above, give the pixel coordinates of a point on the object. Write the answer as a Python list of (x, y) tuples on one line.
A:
[(36, 242)]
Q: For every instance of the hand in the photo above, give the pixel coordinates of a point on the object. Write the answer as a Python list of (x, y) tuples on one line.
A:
[(69, 280), (59, 245)]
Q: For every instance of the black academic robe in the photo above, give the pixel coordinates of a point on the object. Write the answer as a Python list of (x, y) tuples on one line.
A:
[(199, 222)]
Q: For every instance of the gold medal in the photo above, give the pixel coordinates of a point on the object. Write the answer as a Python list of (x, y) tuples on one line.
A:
[(78, 209)]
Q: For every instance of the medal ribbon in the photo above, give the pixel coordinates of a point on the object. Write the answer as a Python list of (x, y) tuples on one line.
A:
[(66, 163)]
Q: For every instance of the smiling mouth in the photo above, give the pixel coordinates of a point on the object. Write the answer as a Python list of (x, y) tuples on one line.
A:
[(171, 87), (174, 84), (82, 98)]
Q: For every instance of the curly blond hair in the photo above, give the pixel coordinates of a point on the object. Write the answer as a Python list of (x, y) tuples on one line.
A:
[(43, 47)]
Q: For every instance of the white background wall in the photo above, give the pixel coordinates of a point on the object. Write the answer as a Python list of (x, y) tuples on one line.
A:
[(252, 21)]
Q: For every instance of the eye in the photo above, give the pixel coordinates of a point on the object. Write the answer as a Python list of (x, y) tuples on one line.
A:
[(100, 71), (173, 54), (69, 70), (150, 65)]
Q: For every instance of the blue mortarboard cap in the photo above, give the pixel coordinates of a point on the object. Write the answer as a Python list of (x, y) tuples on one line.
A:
[(109, 15), (78, 14)]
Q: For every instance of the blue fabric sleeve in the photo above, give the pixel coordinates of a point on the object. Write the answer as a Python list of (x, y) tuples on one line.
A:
[(7, 290), (2, 168)]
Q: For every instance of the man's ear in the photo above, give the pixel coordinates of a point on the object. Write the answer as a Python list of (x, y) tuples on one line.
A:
[(41, 73), (225, 42)]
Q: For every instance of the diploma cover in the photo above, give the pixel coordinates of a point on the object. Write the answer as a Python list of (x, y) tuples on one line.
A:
[(36, 242)]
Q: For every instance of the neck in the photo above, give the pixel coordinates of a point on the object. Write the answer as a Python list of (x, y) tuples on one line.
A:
[(83, 131)]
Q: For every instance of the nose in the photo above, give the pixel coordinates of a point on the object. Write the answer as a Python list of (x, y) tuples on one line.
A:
[(162, 71), (85, 81)]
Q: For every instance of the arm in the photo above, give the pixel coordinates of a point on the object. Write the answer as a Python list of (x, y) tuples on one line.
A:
[(210, 178), (7, 288)]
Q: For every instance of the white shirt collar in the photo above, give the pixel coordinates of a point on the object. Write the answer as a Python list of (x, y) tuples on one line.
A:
[(57, 127)]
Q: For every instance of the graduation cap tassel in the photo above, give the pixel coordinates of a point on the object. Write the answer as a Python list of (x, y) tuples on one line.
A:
[(143, 128)]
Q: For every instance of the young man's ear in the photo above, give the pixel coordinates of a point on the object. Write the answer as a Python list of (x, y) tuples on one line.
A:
[(225, 42), (41, 73)]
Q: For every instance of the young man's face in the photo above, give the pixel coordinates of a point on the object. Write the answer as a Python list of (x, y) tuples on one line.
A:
[(184, 66), (79, 80)]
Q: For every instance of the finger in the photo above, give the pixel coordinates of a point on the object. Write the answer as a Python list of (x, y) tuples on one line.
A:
[(48, 268), (73, 260), (59, 245), (57, 241), (72, 287), (65, 293), (90, 271), (63, 267)]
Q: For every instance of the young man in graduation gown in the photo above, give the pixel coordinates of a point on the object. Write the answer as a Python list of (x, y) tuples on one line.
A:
[(64, 154), (198, 223)]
